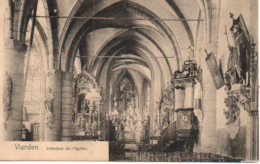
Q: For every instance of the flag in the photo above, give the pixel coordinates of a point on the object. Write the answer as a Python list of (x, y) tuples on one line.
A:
[(214, 70)]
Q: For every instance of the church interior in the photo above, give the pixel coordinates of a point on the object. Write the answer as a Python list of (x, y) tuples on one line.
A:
[(161, 80)]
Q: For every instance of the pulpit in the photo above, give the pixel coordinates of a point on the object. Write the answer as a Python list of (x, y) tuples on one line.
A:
[(184, 128), (186, 124)]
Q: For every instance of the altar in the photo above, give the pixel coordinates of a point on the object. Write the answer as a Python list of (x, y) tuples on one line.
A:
[(87, 111)]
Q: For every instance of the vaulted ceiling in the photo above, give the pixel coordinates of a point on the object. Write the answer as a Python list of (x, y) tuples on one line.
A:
[(150, 34), (142, 31)]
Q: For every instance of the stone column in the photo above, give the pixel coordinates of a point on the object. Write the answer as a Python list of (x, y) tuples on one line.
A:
[(152, 109), (42, 122), (189, 94), (252, 136), (13, 90), (208, 132), (53, 121), (42, 108), (67, 106)]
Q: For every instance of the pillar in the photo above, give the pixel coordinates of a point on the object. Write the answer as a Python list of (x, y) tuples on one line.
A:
[(152, 109), (42, 121), (42, 107), (252, 136), (208, 128), (67, 106), (13, 97), (53, 124)]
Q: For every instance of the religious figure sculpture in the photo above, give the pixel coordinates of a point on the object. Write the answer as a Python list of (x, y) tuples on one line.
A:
[(165, 106), (168, 93), (49, 106), (237, 74), (84, 105), (239, 60), (165, 116), (84, 69)]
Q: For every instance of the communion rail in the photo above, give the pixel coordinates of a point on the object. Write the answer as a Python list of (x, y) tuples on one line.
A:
[(149, 153)]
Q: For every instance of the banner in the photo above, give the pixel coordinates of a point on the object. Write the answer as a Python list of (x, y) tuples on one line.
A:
[(215, 72)]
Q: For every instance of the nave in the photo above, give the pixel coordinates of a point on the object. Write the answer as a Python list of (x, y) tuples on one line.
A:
[(174, 80)]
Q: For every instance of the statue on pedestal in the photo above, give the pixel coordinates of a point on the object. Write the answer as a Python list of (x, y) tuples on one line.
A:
[(239, 60), (84, 105), (49, 106)]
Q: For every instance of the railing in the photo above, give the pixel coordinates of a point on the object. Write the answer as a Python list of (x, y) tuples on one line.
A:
[(149, 153), (180, 157)]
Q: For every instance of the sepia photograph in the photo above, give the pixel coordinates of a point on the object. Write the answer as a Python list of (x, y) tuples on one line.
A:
[(129, 80)]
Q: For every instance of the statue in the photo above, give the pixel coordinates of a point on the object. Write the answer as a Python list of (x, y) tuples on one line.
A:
[(84, 106), (165, 105), (165, 118), (168, 93), (239, 61), (191, 51), (49, 106), (84, 69)]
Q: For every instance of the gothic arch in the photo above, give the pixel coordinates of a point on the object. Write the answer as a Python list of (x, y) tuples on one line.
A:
[(133, 6)]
